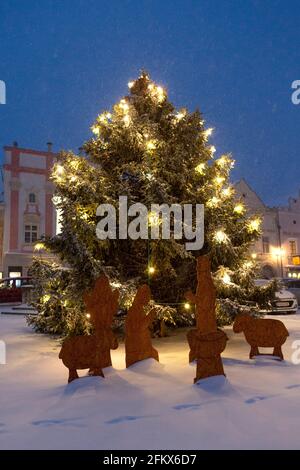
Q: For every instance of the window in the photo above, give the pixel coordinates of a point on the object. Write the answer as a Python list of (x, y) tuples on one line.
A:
[(266, 244), (31, 233), (293, 247), (32, 198), (13, 272)]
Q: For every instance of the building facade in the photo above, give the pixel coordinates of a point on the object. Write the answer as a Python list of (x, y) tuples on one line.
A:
[(278, 249), (29, 212)]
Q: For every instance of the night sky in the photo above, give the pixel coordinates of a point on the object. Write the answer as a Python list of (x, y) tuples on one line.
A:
[(64, 61)]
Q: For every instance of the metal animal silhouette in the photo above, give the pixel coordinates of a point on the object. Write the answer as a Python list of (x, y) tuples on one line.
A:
[(261, 332), (93, 352), (138, 344)]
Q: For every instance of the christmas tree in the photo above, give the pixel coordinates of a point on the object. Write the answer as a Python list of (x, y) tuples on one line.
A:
[(149, 151)]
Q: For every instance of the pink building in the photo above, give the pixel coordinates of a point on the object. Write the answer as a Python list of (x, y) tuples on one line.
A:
[(29, 212)]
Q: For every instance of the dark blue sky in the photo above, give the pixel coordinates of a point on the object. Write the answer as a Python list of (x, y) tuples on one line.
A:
[(63, 61)]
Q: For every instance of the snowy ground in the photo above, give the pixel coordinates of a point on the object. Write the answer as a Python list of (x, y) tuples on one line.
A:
[(151, 405)]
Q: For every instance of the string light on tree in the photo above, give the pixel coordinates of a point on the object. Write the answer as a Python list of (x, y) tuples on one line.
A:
[(180, 115), (225, 161), (254, 225), (212, 149), (151, 145), (153, 219), (88, 315), (187, 306), (239, 209), (130, 84), (45, 298), (213, 202), (219, 180), (207, 133), (220, 236), (226, 278), (126, 120), (227, 192), (151, 269), (248, 265), (39, 246), (200, 168), (156, 92), (95, 129)]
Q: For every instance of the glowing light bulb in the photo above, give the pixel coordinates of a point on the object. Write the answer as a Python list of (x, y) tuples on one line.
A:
[(59, 170), (226, 278), (39, 246), (225, 161), (219, 180), (254, 225), (200, 168), (248, 265), (151, 270), (153, 219), (180, 115), (254, 255), (226, 192), (95, 130), (214, 201), (208, 132), (124, 105), (150, 145), (130, 85), (239, 209), (45, 298), (88, 315), (221, 237), (187, 306), (126, 120)]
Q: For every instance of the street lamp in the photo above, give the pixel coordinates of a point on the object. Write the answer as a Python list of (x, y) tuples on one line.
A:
[(279, 253)]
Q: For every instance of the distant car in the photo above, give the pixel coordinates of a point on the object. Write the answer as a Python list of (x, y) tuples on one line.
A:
[(293, 286), (285, 301), (11, 289)]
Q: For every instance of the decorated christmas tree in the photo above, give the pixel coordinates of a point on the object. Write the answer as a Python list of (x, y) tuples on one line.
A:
[(149, 151)]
